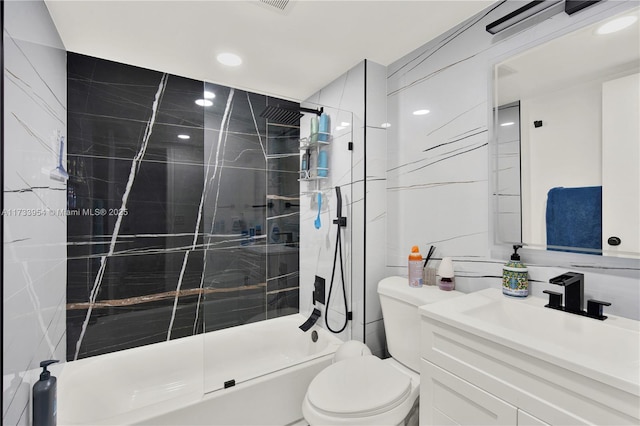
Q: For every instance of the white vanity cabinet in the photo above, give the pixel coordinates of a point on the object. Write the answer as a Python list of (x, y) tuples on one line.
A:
[(472, 373)]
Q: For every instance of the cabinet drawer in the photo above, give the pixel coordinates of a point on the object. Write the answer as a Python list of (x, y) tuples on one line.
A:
[(555, 395), (447, 399)]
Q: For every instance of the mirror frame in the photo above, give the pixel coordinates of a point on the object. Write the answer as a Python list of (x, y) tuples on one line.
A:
[(618, 266)]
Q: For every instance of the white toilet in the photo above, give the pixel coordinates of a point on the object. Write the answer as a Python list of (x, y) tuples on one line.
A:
[(366, 390)]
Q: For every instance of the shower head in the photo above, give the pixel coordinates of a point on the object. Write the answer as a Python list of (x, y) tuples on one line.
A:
[(287, 115), (282, 115)]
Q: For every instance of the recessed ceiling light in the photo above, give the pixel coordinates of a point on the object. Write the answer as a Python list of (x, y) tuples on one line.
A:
[(229, 59), (185, 137), (421, 112), (385, 125), (204, 102), (616, 25), (209, 95), (345, 124), (508, 123)]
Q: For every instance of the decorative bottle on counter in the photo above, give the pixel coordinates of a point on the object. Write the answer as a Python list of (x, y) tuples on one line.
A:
[(515, 276)]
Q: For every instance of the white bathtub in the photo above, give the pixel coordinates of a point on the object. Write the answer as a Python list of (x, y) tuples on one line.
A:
[(182, 382)]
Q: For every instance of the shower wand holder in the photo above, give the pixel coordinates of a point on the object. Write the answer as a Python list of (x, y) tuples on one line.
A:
[(341, 221), (318, 290)]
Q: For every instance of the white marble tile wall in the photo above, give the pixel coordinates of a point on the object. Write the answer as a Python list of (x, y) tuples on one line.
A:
[(34, 233), (438, 168), (375, 202)]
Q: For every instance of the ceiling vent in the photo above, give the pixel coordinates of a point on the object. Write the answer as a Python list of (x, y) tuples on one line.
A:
[(278, 4)]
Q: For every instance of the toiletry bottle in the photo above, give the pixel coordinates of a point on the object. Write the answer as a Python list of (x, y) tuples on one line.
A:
[(274, 235), (415, 267), (236, 228), (323, 170), (303, 163), (324, 127), (445, 271), (44, 397), (515, 276)]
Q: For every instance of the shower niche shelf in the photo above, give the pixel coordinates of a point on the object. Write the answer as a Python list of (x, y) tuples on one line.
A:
[(312, 174), (313, 144), (315, 140)]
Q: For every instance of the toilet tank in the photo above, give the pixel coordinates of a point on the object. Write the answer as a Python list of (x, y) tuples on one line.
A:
[(400, 304)]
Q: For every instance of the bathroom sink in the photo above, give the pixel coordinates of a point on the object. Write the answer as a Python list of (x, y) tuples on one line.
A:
[(608, 350)]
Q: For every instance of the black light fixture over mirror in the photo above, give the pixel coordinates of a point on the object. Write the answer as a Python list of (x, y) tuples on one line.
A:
[(524, 13), (536, 11), (573, 6)]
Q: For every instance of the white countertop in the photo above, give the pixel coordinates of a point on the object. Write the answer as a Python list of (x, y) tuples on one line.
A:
[(607, 351)]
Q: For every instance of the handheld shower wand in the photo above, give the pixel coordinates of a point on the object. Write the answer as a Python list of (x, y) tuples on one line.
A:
[(341, 221)]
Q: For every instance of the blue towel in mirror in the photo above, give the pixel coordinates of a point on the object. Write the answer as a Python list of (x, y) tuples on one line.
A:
[(574, 217)]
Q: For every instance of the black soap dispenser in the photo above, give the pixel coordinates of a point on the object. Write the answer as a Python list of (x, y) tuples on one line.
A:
[(44, 397)]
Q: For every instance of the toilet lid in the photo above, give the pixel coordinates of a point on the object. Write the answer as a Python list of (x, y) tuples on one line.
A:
[(358, 386)]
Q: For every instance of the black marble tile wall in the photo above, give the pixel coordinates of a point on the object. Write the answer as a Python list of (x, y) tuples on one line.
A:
[(184, 218)]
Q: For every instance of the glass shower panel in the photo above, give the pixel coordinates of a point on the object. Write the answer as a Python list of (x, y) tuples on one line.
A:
[(319, 259), (233, 281), (281, 242)]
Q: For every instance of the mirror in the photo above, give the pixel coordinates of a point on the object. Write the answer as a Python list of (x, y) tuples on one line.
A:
[(568, 143)]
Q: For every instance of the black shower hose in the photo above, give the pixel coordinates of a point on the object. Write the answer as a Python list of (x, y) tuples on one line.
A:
[(337, 250)]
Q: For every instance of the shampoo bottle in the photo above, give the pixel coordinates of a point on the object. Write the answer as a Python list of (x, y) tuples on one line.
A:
[(324, 127), (304, 165), (515, 276), (415, 267), (44, 397), (274, 235), (323, 170)]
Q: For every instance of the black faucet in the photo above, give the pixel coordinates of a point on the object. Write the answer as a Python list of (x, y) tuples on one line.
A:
[(573, 283)]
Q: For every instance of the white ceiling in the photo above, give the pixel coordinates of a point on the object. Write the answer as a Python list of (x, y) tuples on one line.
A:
[(576, 58), (290, 54)]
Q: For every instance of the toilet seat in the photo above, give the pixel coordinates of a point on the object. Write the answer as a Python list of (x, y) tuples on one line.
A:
[(358, 389)]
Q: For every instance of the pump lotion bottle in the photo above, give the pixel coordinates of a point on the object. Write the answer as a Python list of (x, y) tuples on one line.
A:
[(515, 276), (44, 397)]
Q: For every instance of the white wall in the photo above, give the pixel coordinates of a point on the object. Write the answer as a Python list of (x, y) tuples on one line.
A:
[(439, 169), (621, 151), (374, 237), (35, 232), (571, 130)]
